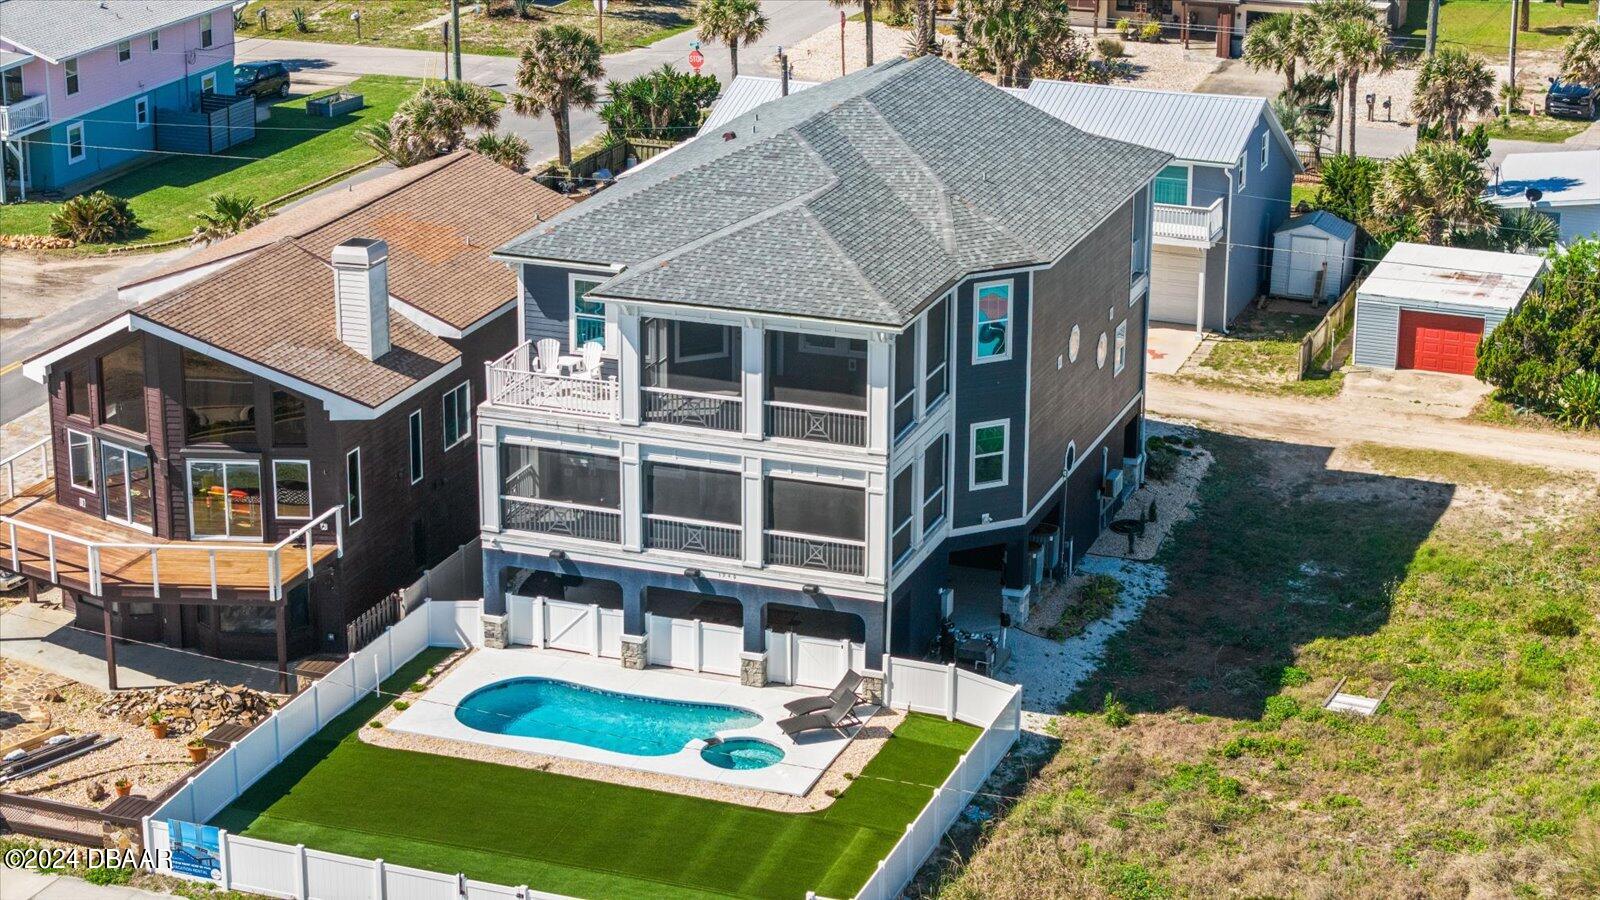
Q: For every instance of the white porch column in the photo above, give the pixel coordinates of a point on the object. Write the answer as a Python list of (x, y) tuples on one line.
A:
[(878, 412), (488, 478), (632, 498), (753, 384), (629, 351), (877, 532), (754, 499)]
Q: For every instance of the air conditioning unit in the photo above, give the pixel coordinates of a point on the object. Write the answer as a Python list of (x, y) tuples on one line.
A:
[(1112, 486)]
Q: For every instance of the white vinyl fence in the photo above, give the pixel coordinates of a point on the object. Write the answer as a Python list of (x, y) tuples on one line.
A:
[(811, 661), (580, 627)]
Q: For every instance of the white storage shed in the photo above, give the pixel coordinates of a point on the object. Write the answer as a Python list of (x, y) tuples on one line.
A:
[(1313, 256)]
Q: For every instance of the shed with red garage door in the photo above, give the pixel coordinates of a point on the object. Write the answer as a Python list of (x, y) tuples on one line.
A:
[(1427, 307)]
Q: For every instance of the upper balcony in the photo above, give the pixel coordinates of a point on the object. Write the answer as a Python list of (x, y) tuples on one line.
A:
[(549, 381), (1191, 226), (24, 116)]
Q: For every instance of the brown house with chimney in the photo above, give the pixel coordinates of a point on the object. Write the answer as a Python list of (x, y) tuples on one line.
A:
[(280, 433)]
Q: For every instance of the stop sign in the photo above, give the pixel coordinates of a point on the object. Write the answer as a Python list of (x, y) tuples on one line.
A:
[(696, 60)]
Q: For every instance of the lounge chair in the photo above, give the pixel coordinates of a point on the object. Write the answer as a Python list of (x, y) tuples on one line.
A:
[(549, 351), (842, 712), (845, 688), (592, 352)]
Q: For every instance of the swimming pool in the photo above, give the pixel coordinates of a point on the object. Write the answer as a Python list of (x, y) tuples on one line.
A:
[(622, 723)]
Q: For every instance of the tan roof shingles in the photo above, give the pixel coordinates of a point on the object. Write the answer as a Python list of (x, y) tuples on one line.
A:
[(441, 220), (276, 309)]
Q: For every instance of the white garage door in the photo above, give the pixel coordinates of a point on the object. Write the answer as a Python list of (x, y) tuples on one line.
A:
[(1174, 283)]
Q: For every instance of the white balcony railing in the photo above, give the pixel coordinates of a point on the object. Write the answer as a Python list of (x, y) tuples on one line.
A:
[(799, 421), (574, 520), (39, 454), (23, 116), (513, 382), (1199, 224), (692, 408), (808, 551), (691, 536)]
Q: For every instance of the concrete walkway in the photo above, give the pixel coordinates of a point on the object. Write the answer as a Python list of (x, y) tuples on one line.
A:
[(43, 637), (26, 884)]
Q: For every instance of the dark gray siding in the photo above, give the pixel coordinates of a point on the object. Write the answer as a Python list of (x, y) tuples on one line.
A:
[(914, 622), (546, 303), (987, 392)]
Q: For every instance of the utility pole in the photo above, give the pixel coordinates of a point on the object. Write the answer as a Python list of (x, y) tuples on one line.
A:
[(455, 35), (600, 25), (446, 35), (842, 69), (1511, 76), (1433, 25)]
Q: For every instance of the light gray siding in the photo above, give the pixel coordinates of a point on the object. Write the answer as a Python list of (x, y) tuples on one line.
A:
[(1377, 328), (1578, 222)]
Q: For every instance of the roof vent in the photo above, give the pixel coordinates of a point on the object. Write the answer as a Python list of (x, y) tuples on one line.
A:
[(728, 135), (361, 295)]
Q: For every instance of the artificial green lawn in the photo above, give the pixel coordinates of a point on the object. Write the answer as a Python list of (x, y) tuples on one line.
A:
[(585, 838), (283, 156), (1483, 27)]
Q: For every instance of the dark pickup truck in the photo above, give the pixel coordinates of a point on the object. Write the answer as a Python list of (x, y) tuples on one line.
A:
[(1569, 98)]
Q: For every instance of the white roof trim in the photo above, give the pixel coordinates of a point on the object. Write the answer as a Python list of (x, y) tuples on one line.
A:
[(38, 368)]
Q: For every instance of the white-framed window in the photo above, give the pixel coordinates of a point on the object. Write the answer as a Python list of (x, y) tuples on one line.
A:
[(1100, 352), (826, 344), (933, 478), (208, 83), (1069, 460), (124, 51), (1244, 169), (141, 113), (1265, 148), (76, 149), (991, 321), (904, 370), (226, 499), (936, 354), (1172, 185), (352, 486), (1122, 348), (588, 316), (80, 459), (291, 488), (70, 68), (205, 31), (698, 342), (991, 454), (458, 414), (903, 512), (155, 41), (1074, 344), (414, 440)]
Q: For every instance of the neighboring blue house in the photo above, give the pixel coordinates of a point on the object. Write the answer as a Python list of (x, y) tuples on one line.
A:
[(82, 83), (848, 378), (1564, 185)]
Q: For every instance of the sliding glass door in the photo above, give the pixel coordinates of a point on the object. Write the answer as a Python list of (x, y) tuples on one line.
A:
[(127, 486), (224, 500)]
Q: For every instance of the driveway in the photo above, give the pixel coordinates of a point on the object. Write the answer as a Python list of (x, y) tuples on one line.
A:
[(1169, 346)]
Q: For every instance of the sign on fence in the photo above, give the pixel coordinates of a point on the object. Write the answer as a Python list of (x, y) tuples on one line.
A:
[(196, 850)]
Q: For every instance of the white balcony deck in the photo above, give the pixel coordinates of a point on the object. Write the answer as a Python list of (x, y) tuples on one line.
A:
[(1188, 225), (513, 382), (24, 116)]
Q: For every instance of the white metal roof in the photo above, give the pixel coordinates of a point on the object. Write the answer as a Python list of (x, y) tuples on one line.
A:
[(745, 93), (61, 29), (1453, 275), (1565, 178)]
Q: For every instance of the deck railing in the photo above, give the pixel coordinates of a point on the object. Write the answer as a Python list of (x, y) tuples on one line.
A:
[(18, 117), (825, 424), (574, 520), (95, 552), (809, 551), (692, 536), (512, 381), (1189, 223), (8, 466), (695, 409)]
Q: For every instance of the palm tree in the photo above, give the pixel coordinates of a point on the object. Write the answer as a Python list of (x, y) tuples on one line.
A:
[(1351, 46), (441, 113), (1278, 43), (398, 148), (732, 22), (1451, 84), (1302, 127), (924, 42), (1009, 36), (1580, 59), (557, 70), (1437, 188), (507, 149), (1526, 231), (229, 215)]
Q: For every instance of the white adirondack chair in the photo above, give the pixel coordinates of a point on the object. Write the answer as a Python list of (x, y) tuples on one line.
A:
[(549, 350), (592, 351)]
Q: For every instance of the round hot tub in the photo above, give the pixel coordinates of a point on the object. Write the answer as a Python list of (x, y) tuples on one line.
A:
[(741, 753)]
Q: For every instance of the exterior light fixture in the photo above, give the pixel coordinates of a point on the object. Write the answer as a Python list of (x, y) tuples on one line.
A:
[(810, 589), (691, 573), (558, 554)]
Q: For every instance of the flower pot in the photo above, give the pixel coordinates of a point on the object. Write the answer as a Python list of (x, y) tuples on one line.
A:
[(198, 754), (158, 729), (123, 790)]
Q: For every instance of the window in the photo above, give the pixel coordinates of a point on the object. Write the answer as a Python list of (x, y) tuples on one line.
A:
[(905, 381), (415, 442), (1122, 349), (1074, 343), (241, 619), (141, 113), (697, 341), (126, 484), (1265, 145), (76, 150), (224, 499), (205, 31), (1100, 352), (1244, 168), (208, 83), (11, 86), (78, 392), (1172, 185), (70, 67), (352, 486), (817, 508), (933, 460), (991, 454), (155, 41), (122, 387), (1070, 461), (936, 356), (1139, 265), (903, 507), (219, 401), (588, 316), (288, 420), (124, 51), (291, 488), (991, 322), (689, 492), (458, 415), (80, 460), (561, 476)]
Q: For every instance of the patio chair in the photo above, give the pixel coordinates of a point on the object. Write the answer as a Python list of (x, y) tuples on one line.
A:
[(845, 688), (592, 351), (841, 713), (549, 350)]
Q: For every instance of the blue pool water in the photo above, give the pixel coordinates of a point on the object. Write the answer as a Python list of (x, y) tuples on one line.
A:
[(741, 753), (622, 723)]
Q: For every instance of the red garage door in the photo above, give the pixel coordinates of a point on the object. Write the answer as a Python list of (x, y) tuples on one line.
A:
[(1439, 343)]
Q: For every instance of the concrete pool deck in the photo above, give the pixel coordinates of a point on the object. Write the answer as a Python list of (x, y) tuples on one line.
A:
[(806, 757)]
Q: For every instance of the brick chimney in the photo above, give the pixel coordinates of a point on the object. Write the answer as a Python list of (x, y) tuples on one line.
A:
[(361, 295)]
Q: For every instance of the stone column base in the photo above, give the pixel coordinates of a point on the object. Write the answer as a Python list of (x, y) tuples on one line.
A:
[(634, 655), (753, 669), (871, 688), (496, 632), (1016, 602)]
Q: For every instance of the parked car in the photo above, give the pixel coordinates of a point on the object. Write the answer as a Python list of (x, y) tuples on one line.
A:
[(1569, 98), (261, 79)]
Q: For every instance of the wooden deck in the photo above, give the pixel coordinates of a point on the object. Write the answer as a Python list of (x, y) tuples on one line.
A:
[(181, 571)]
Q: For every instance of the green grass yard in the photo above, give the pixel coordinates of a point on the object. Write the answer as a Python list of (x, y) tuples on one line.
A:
[(1535, 128), (586, 838), (1483, 27), (1261, 352), (290, 150)]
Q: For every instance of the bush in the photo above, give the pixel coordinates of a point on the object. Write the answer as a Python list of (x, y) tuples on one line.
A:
[(1111, 48), (1150, 32), (402, 705), (1126, 28), (1546, 354), (1578, 400), (1115, 712), (302, 22), (1161, 462), (105, 876), (97, 218)]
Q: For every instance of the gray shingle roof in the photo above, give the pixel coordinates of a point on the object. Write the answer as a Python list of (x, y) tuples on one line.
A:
[(62, 29), (858, 200)]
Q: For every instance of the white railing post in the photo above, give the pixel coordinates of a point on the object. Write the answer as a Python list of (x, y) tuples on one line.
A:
[(225, 858), (94, 571), (155, 572), (338, 530), (15, 566), (888, 680), (950, 692), (379, 889), (50, 540), (301, 873), (699, 645), (594, 617), (211, 561)]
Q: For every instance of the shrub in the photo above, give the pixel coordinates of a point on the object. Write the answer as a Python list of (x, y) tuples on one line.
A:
[(417, 687), (96, 218), (1578, 400), (1293, 676), (402, 705), (1546, 354), (302, 22), (1110, 48), (1161, 462), (1115, 712), (1150, 32), (1126, 28), (665, 104), (374, 724), (107, 876)]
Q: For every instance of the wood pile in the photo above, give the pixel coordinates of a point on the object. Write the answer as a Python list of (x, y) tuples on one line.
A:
[(196, 707)]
